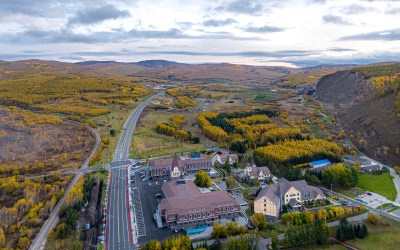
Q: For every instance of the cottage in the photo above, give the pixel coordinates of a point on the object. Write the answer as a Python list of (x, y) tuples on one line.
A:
[(221, 159), (261, 174)]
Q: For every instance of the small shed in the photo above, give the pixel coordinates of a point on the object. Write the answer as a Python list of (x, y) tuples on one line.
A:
[(321, 163)]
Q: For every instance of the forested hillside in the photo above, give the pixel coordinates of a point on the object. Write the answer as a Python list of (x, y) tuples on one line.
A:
[(366, 101)]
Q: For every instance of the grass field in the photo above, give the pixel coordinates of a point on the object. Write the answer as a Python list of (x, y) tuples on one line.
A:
[(268, 95), (385, 240), (147, 142), (380, 184)]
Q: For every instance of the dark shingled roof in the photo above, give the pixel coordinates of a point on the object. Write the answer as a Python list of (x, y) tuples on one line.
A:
[(274, 191)]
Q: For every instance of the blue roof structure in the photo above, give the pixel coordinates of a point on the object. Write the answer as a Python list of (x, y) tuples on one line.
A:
[(195, 156), (315, 163)]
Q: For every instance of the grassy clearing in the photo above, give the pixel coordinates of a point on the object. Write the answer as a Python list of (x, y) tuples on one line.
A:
[(147, 142), (381, 184), (267, 96), (385, 240)]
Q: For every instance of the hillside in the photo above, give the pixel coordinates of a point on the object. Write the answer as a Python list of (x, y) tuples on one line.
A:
[(153, 64), (363, 101), (113, 67), (211, 73)]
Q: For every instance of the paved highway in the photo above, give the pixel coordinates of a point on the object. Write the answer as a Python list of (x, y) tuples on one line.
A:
[(118, 232), (40, 240), (122, 150)]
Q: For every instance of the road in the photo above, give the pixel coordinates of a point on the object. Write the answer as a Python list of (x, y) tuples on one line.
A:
[(118, 227), (40, 241), (122, 150), (118, 231)]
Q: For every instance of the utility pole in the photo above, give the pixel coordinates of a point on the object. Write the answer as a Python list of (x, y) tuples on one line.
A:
[(331, 190)]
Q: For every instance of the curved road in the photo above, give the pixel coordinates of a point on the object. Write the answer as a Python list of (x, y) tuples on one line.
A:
[(118, 232), (40, 240)]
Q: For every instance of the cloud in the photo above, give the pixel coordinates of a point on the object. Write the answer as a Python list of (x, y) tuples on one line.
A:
[(218, 23), (97, 15), (355, 9), (340, 49), (264, 29), (393, 11), (386, 35), (39, 36), (241, 7), (276, 54), (335, 20)]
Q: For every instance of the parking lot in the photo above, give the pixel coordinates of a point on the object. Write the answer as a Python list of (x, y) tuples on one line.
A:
[(149, 203), (372, 199)]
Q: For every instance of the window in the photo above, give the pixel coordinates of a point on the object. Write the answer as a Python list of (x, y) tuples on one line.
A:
[(185, 217), (190, 217), (199, 216), (265, 200), (265, 205), (265, 209), (228, 209), (208, 214), (195, 216), (298, 194), (286, 200), (287, 196), (204, 215), (223, 210)]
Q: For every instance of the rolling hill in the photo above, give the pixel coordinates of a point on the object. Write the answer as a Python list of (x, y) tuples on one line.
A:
[(365, 101)]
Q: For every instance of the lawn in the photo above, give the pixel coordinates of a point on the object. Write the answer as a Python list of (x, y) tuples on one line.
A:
[(266, 96), (385, 240), (147, 142), (380, 184)]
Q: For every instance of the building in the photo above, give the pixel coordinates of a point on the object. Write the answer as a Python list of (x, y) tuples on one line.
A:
[(321, 163), (178, 166), (371, 168), (292, 194), (221, 159), (319, 170), (184, 206), (261, 174), (351, 159)]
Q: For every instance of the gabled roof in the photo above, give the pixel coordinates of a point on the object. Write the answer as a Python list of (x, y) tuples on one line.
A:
[(325, 161), (274, 191)]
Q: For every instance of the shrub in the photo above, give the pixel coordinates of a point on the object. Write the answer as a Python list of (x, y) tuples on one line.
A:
[(373, 219)]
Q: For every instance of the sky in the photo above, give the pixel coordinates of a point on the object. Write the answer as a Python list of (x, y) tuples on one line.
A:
[(256, 32)]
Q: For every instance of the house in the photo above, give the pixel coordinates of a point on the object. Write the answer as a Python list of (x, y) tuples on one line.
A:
[(293, 194), (178, 166), (221, 159), (321, 163), (352, 159), (371, 168), (261, 174), (184, 206)]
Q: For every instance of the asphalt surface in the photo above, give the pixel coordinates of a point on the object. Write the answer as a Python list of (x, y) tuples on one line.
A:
[(122, 150), (146, 205), (118, 231), (40, 241), (118, 227)]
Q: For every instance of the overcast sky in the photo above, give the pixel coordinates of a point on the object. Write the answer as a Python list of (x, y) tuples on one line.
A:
[(258, 32)]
